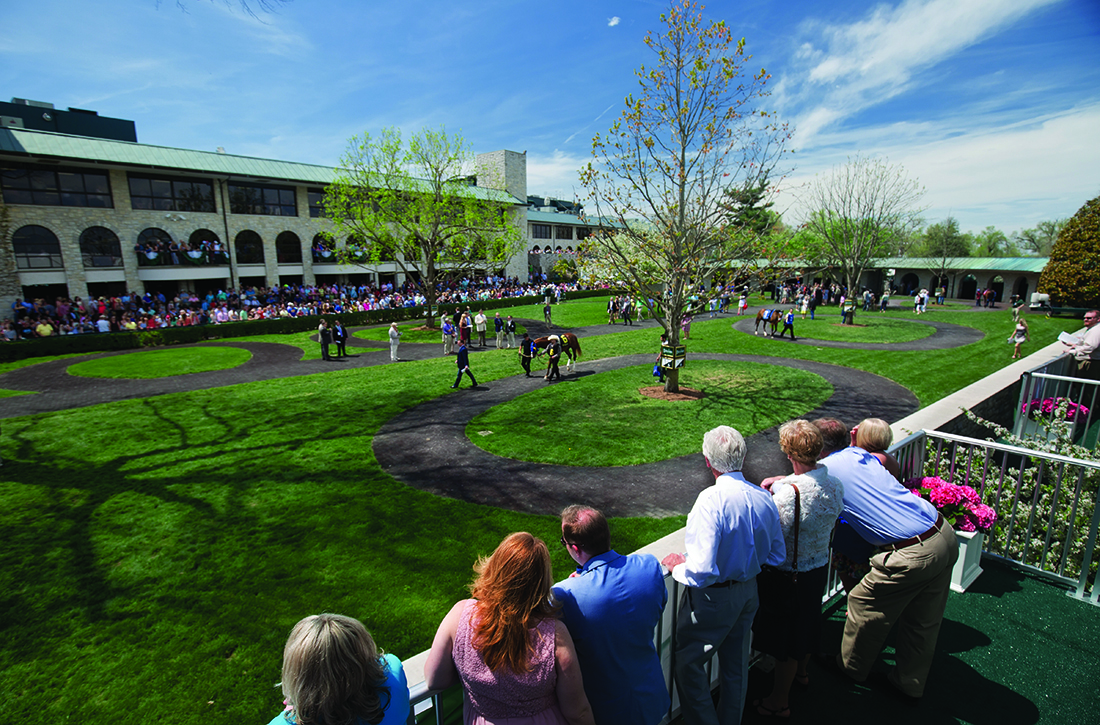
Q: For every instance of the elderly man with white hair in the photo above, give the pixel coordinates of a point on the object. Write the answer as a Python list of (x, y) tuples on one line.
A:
[(732, 531)]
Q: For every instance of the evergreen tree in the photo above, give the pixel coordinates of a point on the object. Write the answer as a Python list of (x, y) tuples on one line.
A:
[(1072, 276)]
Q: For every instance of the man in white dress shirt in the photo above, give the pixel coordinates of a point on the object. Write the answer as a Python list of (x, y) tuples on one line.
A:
[(733, 529)]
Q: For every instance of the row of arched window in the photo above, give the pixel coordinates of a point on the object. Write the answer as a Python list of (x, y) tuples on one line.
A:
[(36, 247)]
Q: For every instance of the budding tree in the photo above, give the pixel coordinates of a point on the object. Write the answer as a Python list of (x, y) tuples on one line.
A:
[(660, 177)]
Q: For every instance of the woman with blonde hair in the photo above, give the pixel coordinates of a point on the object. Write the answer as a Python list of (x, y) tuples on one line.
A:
[(874, 436), (515, 659), (333, 674)]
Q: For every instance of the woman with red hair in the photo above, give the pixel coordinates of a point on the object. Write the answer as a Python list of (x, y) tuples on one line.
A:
[(514, 657)]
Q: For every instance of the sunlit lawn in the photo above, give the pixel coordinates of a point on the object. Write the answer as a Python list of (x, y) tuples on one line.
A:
[(161, 363), (157, 551)]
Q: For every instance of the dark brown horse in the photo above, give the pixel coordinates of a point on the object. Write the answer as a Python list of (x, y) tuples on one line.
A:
[(768, 317), (570, 345)]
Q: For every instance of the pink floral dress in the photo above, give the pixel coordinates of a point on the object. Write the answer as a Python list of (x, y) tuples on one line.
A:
[(503, 697)]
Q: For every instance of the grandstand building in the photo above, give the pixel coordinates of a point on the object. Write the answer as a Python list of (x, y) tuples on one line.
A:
[(83, 199)]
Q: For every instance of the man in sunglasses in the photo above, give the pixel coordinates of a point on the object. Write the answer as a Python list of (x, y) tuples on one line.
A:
[(1087, 351)]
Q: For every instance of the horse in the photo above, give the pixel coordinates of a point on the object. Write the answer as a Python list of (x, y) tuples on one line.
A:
[(570, 346), (768, 317)]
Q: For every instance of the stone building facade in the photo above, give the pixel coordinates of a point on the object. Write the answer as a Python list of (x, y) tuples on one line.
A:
[(79, 207)]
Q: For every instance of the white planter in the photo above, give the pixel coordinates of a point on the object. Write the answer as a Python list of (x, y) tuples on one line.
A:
[(968, 567)]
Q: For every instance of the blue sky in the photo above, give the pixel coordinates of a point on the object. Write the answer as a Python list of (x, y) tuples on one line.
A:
[(993, 105)]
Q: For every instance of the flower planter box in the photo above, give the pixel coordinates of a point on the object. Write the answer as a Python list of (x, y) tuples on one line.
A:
[(968, 567)]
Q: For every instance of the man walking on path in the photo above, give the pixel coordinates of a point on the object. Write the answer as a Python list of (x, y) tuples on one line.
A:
[(526, 353), (395, 338), (732, 531), (463, 362), (788, 324)]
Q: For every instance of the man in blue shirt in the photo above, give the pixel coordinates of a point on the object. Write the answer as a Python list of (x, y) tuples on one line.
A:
[(611, 606), (910, 575), (732, 531)]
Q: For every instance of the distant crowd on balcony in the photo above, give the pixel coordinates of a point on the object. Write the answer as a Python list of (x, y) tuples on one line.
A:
[(134, 311), (161, 251)]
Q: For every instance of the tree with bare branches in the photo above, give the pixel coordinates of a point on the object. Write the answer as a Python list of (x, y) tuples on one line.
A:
[(659, 177), (857, 211)]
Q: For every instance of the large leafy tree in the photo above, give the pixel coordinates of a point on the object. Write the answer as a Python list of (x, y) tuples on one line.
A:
[(1072, 276), (658, 181), (857, 212), (992, 242), (1039, 240), (412, 203)]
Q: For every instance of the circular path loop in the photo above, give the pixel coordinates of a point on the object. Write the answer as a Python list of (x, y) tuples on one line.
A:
[(945, 337), (426, 446)]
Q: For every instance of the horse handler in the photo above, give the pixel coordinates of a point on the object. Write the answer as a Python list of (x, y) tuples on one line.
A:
[(553, 353), (527, 352), (788, 324)]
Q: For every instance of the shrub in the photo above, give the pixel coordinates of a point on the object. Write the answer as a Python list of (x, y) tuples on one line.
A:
[(1072, 277)]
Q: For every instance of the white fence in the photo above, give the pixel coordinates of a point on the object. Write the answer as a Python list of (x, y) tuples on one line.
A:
[(1042, 387)]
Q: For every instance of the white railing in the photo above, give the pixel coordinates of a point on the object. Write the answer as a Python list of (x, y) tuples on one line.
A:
[(1043, 386), (1047, 517)]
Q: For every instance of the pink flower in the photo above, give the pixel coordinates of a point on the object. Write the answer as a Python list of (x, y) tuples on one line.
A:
[(970, 495), (965, 524)]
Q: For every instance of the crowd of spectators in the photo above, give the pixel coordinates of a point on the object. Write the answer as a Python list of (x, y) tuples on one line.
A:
[(135, 311), (174, 252)]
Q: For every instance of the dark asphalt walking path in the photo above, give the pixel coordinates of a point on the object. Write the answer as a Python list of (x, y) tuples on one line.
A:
[(427, 448)]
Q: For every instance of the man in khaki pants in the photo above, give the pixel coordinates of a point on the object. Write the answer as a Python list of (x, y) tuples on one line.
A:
[(910, 576)]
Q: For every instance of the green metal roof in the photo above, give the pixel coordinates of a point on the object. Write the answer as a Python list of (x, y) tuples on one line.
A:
[(41, 145), (969, 264)]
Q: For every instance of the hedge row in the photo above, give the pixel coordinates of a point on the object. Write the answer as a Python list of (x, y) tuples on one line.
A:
[(109, 342)]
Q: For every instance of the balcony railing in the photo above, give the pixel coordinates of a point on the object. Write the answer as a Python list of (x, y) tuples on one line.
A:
[(182, 259), (1047, 518), (1043, 387)]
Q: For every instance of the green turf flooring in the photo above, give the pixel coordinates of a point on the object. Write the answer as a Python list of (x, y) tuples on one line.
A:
[(1014, 649)]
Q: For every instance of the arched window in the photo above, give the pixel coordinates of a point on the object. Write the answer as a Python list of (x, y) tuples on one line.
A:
[(202, 235), (36, 248), (100, 247), (154, 240), (322, 250), (250, 248), (288, 248)]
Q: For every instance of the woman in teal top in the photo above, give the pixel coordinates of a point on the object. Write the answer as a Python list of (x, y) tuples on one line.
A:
[(333, 675)]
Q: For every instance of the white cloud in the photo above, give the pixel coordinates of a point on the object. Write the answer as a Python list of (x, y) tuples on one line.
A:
[(1009, 174), (612, 22), (556, 175), (847, 68)]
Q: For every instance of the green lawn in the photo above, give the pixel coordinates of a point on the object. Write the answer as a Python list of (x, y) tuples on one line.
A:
[(868, 327), (162, 363), (157, 551), (602, 420)]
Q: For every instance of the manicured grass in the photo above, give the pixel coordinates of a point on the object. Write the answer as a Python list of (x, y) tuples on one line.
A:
[(157, 551), (868, 327), (409, 333), (18, 364), (162, 363), (602, 420)]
